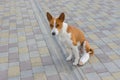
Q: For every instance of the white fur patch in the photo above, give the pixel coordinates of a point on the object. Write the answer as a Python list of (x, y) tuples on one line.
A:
[(65, 37), (85, 58), (54, 30)]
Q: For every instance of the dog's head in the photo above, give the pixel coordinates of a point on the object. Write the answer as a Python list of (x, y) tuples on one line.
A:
[(55, 23)]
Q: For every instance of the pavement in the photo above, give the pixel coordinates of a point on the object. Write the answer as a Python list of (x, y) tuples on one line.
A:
[(29, 52)]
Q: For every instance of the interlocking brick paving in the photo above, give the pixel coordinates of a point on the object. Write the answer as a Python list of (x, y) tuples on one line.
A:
[(100, 22), (29, 52)]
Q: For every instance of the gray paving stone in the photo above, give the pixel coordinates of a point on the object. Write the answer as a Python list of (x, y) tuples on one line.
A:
[(99, 67), (13, 60), (34, 54), (106, 40), (100, 34), (111, 67), (110, 53), (13, 49), (14, 78), (4, 48), (25, 65), (53, 77), (27, 73), (4, 39), (117, 62), (38, 69), (46, 60), (103, 58), (37, 30), (21, 33), (32, 48), (28, 78), (98, 51), (13, 55), (22, 44), (117, 51), (106, 32), (30, 36), (99, 43), (29, 33), (93, 76), (31, 41), (88, 69), (50, 70), (105, 74), (4, 54), (3, 75), (3, 66), (64, 76), (13, 64), (24, 57), (41, 43)]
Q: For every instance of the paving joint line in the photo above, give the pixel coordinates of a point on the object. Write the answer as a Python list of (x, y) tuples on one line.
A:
[(57, 43)]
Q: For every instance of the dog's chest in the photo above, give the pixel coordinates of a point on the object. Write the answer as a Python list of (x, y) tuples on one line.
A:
[(66, 39)]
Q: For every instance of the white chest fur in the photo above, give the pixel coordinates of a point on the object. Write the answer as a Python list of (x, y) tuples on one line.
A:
[(64, 36)]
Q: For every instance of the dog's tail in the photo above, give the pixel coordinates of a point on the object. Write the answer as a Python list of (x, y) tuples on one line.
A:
[(91, 51), (87, 47)]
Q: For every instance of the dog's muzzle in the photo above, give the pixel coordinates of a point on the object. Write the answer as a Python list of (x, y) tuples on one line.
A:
[(53, 33)]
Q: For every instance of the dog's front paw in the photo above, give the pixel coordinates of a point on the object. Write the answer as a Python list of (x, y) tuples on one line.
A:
[(75, 63), (68, 58)]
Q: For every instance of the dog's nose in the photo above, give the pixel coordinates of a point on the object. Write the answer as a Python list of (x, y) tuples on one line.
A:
[(53, 33)]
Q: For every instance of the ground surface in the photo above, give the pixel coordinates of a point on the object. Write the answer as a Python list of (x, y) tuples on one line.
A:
[(29, 52)]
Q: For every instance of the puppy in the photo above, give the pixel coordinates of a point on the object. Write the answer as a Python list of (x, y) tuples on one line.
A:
[(71, 37)]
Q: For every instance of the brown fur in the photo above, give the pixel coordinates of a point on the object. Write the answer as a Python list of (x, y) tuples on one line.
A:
[(78, 36), (59, 20)]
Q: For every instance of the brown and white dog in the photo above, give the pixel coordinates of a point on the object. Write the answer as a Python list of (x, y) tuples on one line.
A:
[(72, 37)]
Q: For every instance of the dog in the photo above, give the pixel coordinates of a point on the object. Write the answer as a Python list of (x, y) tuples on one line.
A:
[(72, 38)]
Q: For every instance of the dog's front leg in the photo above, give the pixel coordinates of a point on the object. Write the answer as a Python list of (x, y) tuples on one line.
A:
[(76, 54), (69, 51)]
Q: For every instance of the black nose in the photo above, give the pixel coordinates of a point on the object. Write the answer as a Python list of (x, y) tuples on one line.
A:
[(53, 33)]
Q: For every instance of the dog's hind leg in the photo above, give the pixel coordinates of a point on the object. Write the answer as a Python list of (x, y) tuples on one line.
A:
[(85, 57)]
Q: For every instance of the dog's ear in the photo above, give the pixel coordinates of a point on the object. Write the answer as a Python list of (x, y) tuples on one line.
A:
[(61, 17), (49, 16)]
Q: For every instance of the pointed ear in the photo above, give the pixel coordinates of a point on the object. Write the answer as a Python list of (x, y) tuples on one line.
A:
[(49, 16), (62, 17)]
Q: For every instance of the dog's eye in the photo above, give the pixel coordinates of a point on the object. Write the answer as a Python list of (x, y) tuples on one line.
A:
[(57, 25), (51, 25)]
